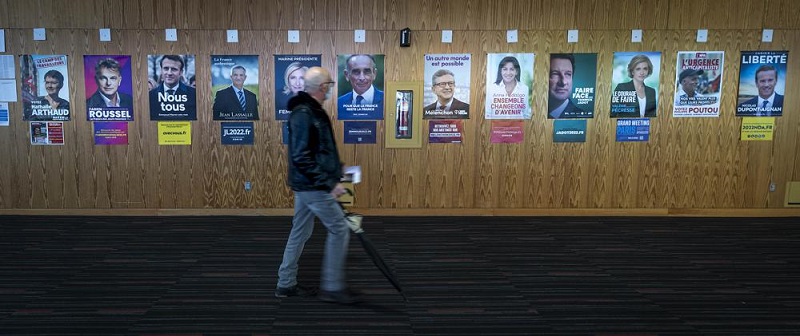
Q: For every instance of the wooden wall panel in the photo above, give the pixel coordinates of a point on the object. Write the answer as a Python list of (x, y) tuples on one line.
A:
[(688, 162)]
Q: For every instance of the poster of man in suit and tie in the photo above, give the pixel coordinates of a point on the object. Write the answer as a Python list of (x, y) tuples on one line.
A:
[(171, 96), (234, 85), (360, 87), (448, 77), (762, 83), (107, 79), (571, 85)]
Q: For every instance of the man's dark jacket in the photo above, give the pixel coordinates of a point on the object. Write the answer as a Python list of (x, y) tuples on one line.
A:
[(313, 159)]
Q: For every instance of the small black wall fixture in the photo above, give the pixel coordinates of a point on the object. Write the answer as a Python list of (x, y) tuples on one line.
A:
[(405, 37)]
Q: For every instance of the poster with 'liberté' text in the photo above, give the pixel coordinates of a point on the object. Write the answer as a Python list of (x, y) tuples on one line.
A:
[(762, 83)]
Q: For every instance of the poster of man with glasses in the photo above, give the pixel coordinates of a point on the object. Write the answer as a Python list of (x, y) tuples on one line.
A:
[(448, 76)]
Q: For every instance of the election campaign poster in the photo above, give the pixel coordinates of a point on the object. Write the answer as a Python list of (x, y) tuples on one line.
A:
[(757, 129), (234, 86), (571, 86), (110, 132), (445, 131), (698, 83), (509, 79), (569, 130), (360, 87), (45, 87), (109, 92), (47, 132), (360, 132), (633, 130), (762, 83), (448, 77), (237, 133), (174, 133), (634, 80), (171, 83), (507, 131), (289, 72)]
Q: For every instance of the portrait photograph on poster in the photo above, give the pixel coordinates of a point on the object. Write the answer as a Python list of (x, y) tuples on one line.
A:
[(170, 80), (234, 86), (447, 79), (45, 87), (289, 72), (635, 81), (509, 79), (571, 86), (762, 83), (359, 87), (109, 88), (698, 83)]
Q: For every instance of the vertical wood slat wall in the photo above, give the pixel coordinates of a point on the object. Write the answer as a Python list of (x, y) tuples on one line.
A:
[(688, 162)]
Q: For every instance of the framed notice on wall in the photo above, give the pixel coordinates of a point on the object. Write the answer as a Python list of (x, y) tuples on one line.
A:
[(403, 115)]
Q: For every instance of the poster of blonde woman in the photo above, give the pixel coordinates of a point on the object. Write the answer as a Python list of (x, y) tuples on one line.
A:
[(635, 82), (509, 78)]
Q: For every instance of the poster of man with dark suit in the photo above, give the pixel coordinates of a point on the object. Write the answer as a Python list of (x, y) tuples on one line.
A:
[(172, 98), (448, 77), (762, 79), (360, 87), (108, 87), (234, 83)]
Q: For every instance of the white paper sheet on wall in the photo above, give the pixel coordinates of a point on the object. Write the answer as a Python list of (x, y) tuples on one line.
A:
[(8, 90), (7, 67)]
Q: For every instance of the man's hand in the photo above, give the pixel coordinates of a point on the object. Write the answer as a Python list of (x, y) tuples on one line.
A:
[(338, 190)]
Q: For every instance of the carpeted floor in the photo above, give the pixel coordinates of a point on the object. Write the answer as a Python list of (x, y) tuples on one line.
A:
[(462, 276)]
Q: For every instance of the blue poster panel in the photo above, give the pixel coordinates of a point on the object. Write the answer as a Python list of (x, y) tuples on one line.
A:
[(358, 132), (237, 133), (633, 130), (285, 133)]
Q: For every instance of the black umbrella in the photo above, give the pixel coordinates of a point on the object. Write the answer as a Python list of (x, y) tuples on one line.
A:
[(354, 221)]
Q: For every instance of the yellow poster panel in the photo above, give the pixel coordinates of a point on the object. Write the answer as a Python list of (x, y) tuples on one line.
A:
[(757, 128), (174, 133)]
